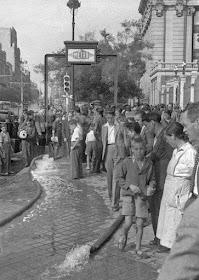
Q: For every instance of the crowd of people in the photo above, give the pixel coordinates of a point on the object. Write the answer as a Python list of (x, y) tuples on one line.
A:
[(149, 162), (147, 152)]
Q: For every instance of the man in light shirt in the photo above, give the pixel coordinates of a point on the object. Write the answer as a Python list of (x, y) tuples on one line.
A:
[(76, 170), (183, 261), (114, 140)]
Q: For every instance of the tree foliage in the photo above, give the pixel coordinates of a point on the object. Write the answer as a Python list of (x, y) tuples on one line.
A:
[(13, 94), (97, 81)]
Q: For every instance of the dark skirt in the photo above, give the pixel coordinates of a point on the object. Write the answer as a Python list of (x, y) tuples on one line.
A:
[(76, 170)]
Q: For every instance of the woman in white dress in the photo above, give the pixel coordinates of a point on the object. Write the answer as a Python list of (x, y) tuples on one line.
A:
[(177, 185)]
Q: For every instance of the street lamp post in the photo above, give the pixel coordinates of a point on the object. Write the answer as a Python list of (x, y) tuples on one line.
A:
[(175, 97), (73, 5), (23, 67)]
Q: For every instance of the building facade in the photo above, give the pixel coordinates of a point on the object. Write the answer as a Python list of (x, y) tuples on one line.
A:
[(5, 69), (13, 71), (8, 39), (173, 28)]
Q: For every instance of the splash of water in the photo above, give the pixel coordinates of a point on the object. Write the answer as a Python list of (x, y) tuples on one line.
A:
[(74, 261)]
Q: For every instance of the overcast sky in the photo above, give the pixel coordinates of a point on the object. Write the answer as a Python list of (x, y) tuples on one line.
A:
[(43, 25)]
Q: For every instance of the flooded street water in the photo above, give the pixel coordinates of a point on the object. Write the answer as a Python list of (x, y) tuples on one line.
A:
[(52, 240)]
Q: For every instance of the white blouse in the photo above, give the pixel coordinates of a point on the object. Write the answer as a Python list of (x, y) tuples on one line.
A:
[(185, 160)]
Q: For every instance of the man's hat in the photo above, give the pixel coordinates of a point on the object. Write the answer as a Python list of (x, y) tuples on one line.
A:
[(100, 110), (110, 110), (58, 113)]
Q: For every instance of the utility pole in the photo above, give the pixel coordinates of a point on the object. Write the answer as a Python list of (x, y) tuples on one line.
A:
[(73, 5), (72, 66)]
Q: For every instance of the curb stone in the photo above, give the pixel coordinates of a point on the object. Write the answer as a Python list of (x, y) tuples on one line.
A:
[(8, 219)]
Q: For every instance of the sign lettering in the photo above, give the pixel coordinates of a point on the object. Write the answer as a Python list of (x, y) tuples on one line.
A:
[(81, 55)]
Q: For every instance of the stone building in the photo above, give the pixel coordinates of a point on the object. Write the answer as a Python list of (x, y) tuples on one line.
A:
[(5, 69), (10, 54), (173, 27), (8, 39)]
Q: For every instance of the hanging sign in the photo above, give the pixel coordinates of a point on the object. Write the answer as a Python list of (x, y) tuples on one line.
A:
[(79, 52)]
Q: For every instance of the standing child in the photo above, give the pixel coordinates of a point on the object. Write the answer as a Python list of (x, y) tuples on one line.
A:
[(136, 178), (90, 146), (5, 148), (76, 170)]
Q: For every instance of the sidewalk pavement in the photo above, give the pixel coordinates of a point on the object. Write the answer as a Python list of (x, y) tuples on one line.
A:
[(20, 190)]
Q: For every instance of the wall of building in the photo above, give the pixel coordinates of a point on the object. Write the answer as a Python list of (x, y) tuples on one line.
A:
[(10, 60), (8, 39), (174, 32), (5, 69)]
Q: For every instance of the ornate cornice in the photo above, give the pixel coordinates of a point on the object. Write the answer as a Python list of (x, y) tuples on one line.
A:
[(146, 18), (159, 7), (142, 6), (179, 8), (190, 11)]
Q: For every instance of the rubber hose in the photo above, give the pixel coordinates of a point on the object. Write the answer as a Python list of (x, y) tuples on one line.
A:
[(107, 234)]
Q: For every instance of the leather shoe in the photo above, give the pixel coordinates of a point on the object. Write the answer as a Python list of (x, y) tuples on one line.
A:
[(154, 242), (163, 249), (115, 209)]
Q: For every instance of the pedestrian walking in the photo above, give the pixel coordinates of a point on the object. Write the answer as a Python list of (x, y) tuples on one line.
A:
[(137, 180)]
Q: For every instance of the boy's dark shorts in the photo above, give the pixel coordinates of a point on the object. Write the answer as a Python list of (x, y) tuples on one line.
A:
[(91, 147), (135, 206)]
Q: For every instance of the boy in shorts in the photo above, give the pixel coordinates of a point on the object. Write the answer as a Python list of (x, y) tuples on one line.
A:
[(137, 180), (90, 146)]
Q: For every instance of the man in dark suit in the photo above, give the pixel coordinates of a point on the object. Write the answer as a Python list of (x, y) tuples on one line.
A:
[(183, 261), (99, 121), (160, 156), (115, 149)]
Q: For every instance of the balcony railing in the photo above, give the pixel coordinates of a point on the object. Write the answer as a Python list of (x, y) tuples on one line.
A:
[(169, 67)]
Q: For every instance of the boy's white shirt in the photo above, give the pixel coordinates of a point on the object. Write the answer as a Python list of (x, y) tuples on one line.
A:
[(90, 136)]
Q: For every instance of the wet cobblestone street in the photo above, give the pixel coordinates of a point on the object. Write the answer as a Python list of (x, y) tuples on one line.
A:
[(68, 213)]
